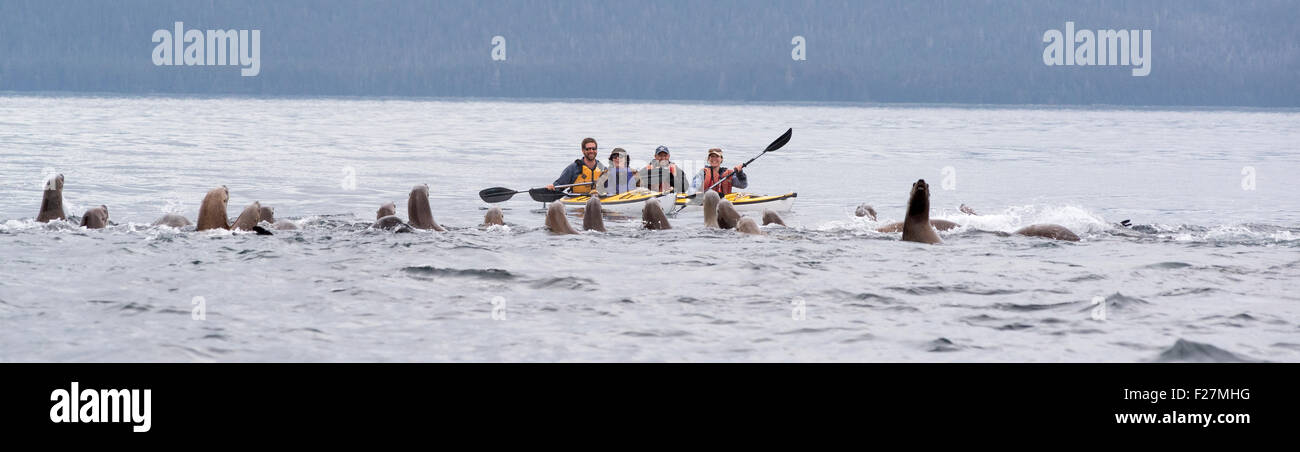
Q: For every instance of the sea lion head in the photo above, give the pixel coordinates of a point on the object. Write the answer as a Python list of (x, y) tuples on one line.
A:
[(52, 200), (711, 209), (418, 212), (556, 222), (748, 226), (591, 215), (919, 201), (494, 216), (386, 210), (770, 217), (865, 210), (728, 217), (95, 218), (54, 183), (249, 218), (652, 216), (267, 214), (212, 212)]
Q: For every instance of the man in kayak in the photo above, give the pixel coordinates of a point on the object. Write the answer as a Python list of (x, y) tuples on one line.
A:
[(585, 169), (619, 178), (662, 174), (731, 178)]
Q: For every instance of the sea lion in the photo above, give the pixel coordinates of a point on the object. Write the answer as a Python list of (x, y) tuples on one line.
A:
[(52, 200), (556, 222), (916, 227), (748, 226), (865, 210), (285, 225), (591, 215), (711, 209), (727, 215), (172, 220), (95, 218), (386, 210), (1051, 231), (267, 214), (212, 213), (652, 216), (417, 209), (249, 218), (942, 225), (770, 217), (494, 216), (392, 223)]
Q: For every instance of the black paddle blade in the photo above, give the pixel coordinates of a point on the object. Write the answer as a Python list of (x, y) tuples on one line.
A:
[(545, 195), (785, 138), (496, 194)]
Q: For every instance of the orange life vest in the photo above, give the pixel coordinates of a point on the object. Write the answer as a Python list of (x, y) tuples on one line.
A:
[(588, 174), (711, 175)]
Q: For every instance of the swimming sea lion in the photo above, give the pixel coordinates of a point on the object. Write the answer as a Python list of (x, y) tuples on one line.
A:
[(417, 209), (748, 226), (652, 216), (711, 209), (392, 223), (727, 215), (95, 218), (212, 213), (172, 220), (556, 222), (866, 210), (591, 216), (386, 210), (916, 227), (52, 200), (249, 218), (1051, 231), (494, 216), (267, 214), (770, 217), (944, 225)]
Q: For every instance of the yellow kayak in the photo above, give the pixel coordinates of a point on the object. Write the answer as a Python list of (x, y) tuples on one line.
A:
[(748, 202), (631, 201)]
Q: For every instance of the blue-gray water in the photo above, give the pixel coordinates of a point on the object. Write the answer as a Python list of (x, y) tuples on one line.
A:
[(1210, 262)]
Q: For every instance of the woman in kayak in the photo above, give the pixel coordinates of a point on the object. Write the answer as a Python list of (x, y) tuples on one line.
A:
[(661, 174), (731, 178), (619, 178), (585, 169)]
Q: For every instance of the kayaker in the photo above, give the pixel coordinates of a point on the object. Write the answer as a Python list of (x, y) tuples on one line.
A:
[(585, 169), (619, 178), (731, 178), (661, 174)]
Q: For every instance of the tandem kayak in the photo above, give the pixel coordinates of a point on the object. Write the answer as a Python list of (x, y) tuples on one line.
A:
[(630, 202), (746, 202)]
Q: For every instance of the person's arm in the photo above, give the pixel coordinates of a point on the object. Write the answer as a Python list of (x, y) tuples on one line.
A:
[(740, 180), (566, 177)]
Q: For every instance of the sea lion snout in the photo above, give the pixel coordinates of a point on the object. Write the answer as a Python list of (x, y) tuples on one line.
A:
[(54, 182)]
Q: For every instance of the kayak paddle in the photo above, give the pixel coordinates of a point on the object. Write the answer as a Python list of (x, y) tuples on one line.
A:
[(498, 194), (778, 144)]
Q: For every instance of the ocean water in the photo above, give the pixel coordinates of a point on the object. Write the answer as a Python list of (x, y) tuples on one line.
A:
[(1207, 272)]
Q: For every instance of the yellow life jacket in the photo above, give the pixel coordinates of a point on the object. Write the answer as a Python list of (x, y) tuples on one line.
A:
[(586, 174)]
